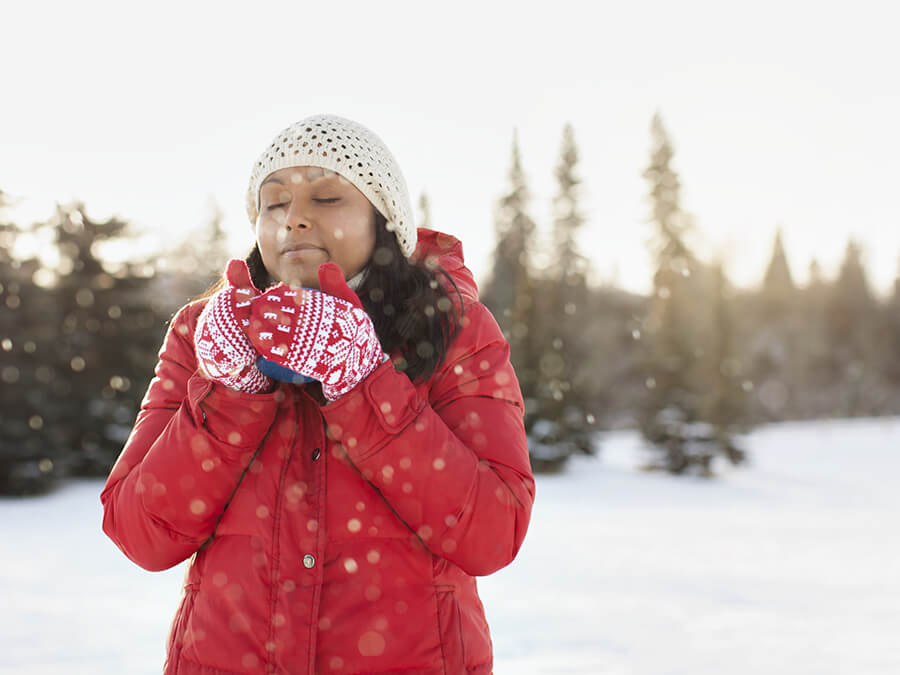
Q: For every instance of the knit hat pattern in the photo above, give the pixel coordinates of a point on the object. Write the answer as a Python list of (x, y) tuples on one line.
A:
[(351, 150)]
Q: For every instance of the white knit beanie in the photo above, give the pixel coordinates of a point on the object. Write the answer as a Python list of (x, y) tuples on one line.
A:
[(353, 151)]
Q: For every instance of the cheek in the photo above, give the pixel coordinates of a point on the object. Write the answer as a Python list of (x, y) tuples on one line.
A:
[(361, 242), (266, 241), (270, 233), (352, 236)]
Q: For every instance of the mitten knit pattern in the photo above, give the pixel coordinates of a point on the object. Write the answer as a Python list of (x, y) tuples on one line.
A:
[(223, 351), (317, 335)]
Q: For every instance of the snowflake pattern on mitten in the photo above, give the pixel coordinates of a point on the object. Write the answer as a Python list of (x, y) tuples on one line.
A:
[(317, 335), (223, 351)]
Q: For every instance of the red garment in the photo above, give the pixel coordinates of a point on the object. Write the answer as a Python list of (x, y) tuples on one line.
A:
[(351, 543)]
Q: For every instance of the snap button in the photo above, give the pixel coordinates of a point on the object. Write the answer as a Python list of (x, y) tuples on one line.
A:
[(308, 561), (316, 454)]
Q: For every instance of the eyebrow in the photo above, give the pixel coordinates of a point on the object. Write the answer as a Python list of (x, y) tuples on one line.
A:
[(271, 179)]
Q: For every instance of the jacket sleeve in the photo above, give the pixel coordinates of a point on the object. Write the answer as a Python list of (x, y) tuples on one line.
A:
[(191, 442), (454, 464)]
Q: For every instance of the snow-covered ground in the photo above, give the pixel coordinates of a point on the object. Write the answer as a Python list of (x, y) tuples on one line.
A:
[(790, 565)]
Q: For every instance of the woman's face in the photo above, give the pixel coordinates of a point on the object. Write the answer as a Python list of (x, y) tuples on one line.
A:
[(309, 216)]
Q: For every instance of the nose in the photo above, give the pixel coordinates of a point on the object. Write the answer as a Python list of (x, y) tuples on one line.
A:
[(296, 219)]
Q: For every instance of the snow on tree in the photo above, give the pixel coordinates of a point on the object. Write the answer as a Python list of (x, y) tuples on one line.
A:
[(685, 340)]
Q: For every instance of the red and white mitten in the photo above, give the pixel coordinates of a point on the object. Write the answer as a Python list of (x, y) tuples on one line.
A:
[(223, 351), (325, 335)]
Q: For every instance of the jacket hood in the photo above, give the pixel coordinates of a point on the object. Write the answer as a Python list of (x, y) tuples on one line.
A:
[(446, 251)]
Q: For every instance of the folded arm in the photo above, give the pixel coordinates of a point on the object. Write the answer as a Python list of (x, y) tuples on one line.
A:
[(454, 464), (190, 445)]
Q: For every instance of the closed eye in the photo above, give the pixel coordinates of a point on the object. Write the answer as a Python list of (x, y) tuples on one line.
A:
[(329, 200)]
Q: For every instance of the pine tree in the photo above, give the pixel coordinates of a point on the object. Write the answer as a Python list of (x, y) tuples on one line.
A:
[(105, 331), (777, 340), (510, 290), (727, 411), (885, 360), (778, 283), (564, 396), (892, 343), (28, 452), (679, 337), (568, 265), (5, 202), (29, 456), (8, 231), (813, 301), (850, 300), (815, 274), (195, 264), (425, 212), (671, 223), (816, 376), (79, 355), (851, 317)]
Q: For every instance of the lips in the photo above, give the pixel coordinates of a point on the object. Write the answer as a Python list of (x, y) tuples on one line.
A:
[(299, 247)]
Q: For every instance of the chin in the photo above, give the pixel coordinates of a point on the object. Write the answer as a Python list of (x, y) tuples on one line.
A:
[(297, 282), (300, 278)]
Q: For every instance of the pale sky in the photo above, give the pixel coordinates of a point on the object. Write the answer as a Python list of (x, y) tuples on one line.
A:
[(780, 113)]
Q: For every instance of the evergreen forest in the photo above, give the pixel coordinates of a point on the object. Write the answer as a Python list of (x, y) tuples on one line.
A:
[(693, 365)]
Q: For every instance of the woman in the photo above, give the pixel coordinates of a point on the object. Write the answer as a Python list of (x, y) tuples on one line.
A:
[(338, 464)]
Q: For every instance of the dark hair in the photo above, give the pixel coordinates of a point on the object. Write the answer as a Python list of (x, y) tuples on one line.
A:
[(410, 307)]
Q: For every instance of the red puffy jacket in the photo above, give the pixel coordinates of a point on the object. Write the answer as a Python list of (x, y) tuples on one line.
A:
[(342, 538)]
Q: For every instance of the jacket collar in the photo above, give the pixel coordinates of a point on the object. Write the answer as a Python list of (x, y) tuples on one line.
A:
[(446, 251)]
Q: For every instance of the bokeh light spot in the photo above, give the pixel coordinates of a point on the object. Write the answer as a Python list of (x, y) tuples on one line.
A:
[(371, 644)]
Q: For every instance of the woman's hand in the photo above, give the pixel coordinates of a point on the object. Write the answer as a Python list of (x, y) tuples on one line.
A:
[(223, 351), (324, 335)]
